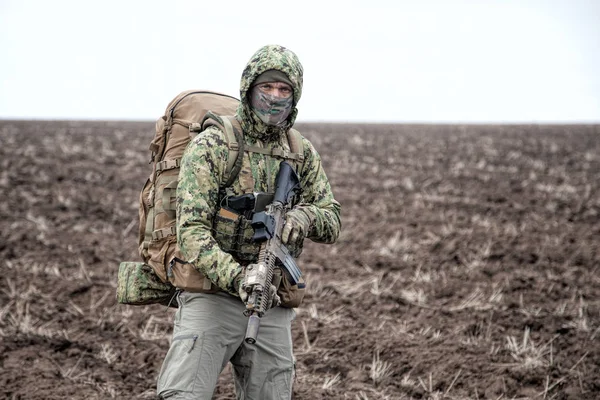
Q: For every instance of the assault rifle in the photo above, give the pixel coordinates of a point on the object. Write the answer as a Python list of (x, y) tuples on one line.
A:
[(268, 225)]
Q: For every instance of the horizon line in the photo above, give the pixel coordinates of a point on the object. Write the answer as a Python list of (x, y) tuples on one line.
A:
[(338, 121)]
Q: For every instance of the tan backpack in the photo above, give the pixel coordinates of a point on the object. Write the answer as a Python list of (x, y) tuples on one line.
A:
[(174, 130), (162, 270)]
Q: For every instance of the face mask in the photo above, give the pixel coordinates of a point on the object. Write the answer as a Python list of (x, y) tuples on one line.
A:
[(272, 110)]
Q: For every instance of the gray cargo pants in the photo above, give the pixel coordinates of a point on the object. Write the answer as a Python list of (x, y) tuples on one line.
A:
[(209, 332)]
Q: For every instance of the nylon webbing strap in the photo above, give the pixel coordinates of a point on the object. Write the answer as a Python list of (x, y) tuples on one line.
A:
[(166, 165), (233, 147), (183, 122), (169, 198), (295, 141), (275, 152), (149, 223), (164, 232), (236, 143), (207, 284)]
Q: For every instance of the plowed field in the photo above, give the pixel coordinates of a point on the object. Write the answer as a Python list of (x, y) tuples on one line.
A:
[(468, 266)]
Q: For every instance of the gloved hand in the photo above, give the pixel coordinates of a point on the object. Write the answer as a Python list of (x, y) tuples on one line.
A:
[(241, 285), (275, 299), (238, 285), (297, 225)]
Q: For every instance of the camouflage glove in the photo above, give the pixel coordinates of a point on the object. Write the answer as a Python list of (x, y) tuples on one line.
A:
[(275, 299), (297, 225), (242, 287)]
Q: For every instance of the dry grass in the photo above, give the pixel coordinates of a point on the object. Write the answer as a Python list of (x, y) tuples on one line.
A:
[(467, 267)]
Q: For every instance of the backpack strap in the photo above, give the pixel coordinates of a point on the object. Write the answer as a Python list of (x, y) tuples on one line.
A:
[(274, 152), (235, 142), (234, 164), (296, 147), (296, 153)]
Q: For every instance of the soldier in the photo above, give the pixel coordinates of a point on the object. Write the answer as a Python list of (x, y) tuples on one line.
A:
[(209, 328)]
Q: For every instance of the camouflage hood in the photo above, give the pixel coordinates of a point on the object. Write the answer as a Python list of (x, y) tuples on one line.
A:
[(267, 58)]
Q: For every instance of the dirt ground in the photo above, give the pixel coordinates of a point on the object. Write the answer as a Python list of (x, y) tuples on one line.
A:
[(467, 267)]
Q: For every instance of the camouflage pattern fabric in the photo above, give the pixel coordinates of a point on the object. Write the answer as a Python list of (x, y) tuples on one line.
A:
[(202, 173), (268, 58), (137, 284), (270, 109)]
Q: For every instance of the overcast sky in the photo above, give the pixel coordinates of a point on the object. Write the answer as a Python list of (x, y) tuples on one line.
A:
[(372, 61)]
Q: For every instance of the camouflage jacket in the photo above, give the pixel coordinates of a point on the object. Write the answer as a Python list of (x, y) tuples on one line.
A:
[(201, 175), (203, 166)]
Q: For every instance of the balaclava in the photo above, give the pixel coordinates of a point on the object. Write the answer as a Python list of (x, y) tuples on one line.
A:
[(267, 58), (272, 110)]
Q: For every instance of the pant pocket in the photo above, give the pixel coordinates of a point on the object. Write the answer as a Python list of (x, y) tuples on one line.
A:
[(283, 386), (179, 372)]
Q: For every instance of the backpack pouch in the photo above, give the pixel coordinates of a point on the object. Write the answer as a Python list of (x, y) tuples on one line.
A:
[(291, 295), (137, 284)]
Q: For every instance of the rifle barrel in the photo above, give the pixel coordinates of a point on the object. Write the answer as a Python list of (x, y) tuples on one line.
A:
[(252, 329)]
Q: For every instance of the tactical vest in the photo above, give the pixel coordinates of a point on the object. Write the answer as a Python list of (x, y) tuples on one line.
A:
[(233, 231)]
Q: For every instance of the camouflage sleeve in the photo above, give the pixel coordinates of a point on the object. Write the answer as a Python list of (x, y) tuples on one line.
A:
[(317, 199), (202, 167)]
